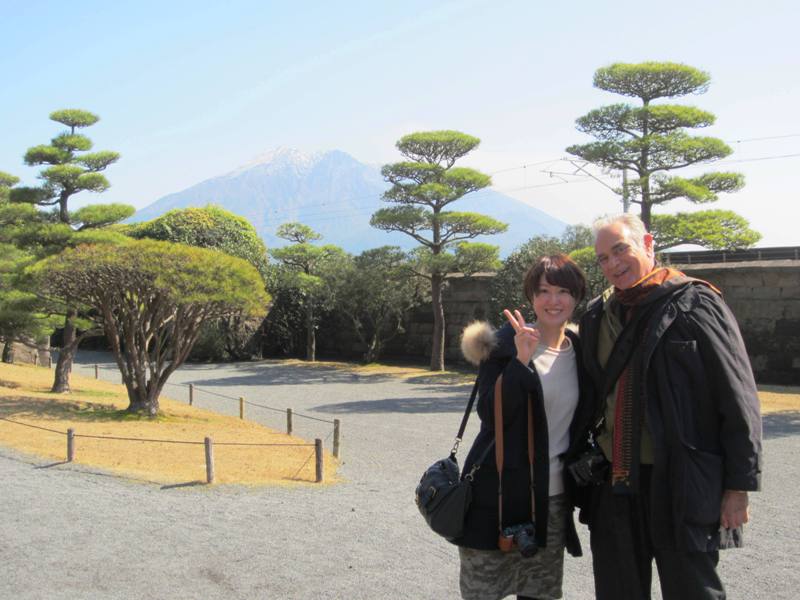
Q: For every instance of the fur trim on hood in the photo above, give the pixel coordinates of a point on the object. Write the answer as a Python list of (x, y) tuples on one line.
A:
[(477, 341)]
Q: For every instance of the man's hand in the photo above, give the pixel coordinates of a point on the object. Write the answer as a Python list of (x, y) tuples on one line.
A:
[(735, 510)]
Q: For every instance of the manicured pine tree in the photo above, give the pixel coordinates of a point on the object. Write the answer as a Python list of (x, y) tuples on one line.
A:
[(70, 168), (422, 187), (652, 139)]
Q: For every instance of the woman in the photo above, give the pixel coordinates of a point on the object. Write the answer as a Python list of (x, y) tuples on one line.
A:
[(539, 362)]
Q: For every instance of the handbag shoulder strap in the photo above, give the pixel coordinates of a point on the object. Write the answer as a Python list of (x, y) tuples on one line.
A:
[(465, 418), (499, 447)]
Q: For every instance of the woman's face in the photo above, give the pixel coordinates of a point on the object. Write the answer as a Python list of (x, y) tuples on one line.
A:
[(552, 304)]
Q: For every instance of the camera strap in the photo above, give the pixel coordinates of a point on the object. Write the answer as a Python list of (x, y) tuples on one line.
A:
[(499, 448)]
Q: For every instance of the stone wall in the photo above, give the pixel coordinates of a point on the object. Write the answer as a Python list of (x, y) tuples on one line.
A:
[(465, 298), (765, 297), (28, 352)]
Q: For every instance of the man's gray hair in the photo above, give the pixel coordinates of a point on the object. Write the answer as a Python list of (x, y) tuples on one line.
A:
[(633, 223)]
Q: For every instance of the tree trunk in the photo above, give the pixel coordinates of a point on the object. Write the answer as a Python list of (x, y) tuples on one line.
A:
[(311, 337), (373, 349), (63, 211), (137, 402), (8, 352), (646, 205), (69, 347), (143, 401), (437, 349), (152, 402), (644, 171)]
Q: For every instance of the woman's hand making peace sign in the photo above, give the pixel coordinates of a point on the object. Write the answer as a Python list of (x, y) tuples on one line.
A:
[(527, 338)]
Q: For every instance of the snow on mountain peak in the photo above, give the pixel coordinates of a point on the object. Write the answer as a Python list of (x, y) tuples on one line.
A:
[(281, 158)]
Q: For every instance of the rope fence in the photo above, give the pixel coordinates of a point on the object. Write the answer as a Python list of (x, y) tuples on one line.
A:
[(207, 443), (290, 414)]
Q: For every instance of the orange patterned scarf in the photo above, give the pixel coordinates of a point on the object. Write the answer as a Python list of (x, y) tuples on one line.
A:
[(629, 409), (639, 291)]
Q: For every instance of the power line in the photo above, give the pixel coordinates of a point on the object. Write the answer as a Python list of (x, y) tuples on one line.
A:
[(742, 141), (761, 139), (540, 185), (525, 166), (582, 168), (743, 160), (336, 213)]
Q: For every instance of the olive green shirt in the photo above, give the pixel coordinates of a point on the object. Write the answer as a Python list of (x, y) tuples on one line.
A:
[(610, 328)]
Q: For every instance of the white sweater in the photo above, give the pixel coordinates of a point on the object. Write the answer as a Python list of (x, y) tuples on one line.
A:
[(559, 375)]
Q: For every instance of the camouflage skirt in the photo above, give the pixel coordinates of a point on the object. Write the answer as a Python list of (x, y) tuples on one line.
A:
[(492, 574)]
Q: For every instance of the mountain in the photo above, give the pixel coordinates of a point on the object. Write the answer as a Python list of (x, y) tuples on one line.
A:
[(335, 194)]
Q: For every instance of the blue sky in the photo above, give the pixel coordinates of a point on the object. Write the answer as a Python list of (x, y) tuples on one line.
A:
[(189, 90)]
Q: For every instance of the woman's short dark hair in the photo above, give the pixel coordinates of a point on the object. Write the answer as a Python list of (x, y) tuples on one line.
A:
[(557, 269)]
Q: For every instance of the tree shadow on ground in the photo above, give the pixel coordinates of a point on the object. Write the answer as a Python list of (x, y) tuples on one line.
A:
[(266, 374), (279, 377), (443, 378), (781, 424), (455, 402), (34, 461), (22, 406)]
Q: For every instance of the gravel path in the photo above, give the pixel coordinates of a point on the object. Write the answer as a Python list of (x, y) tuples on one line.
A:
[(69, 532)]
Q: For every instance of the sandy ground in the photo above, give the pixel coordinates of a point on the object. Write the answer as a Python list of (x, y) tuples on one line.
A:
[(70, 532)]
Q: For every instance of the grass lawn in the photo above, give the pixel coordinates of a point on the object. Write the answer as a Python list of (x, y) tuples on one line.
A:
[(97, 408), (776, 398)]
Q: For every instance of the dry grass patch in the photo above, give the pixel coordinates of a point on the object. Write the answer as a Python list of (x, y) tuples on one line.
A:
[(776, 398), (97, 408)]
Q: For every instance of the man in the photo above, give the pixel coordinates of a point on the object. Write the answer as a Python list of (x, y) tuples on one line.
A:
[(678, 420)]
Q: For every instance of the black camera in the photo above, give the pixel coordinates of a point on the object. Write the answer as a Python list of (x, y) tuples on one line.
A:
[(591, 467), (520, 536)]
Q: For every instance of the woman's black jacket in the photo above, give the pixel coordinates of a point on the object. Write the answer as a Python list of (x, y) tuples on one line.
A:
[(519, 381)]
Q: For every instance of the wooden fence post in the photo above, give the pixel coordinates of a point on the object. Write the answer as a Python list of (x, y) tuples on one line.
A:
[(318, 453), (288, 421), (241, 408), (70, 445), (96, 372), (191, 393), (336, 426), (209, 461)]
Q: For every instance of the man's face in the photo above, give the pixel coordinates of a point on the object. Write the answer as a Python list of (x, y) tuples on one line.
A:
[(623, 262)]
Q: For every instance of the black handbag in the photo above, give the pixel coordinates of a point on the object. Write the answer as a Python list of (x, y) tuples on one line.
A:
[(442, 496)]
